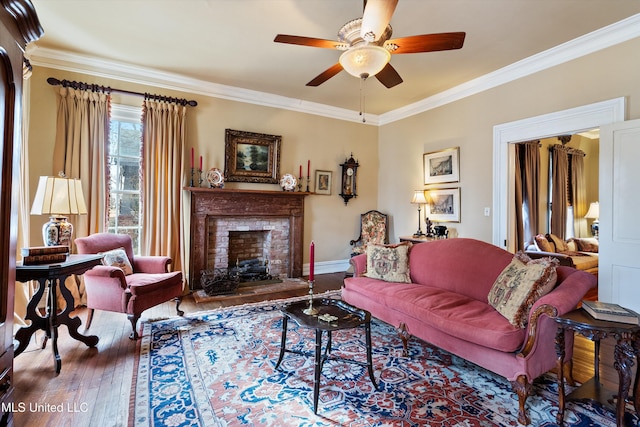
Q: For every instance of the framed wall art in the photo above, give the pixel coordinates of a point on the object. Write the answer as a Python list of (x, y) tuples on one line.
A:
[(443, 204), (251, 157), (442, 166), (323, 182)]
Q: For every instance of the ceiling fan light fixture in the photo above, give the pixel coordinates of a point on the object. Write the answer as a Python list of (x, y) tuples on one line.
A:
[(365, 61)]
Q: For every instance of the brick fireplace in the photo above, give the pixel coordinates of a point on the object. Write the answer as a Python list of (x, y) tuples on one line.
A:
[(229, 225)]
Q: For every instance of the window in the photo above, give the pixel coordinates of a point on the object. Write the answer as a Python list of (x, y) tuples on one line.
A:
[(124, 161)]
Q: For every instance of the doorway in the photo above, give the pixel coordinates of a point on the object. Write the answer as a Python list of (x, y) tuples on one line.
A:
[(564, 122)]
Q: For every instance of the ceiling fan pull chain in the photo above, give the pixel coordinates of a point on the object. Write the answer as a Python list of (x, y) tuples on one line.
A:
[(362, 101)]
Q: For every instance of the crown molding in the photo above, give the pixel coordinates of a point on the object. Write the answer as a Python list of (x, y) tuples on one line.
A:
[(71, 62), (602, 38)]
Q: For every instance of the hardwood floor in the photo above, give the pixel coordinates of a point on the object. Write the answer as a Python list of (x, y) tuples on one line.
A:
[(94, 385)]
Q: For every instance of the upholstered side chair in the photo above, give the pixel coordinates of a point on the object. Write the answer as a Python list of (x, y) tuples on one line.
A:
[(373, 229), (127, 283)]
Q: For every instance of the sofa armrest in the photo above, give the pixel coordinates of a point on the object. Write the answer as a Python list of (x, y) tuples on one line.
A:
[(359, 263), (574, 285), (151, 264), (564, 259)]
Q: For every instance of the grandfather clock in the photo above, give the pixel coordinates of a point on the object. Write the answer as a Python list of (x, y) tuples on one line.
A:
[(19, 25), (349, 175)]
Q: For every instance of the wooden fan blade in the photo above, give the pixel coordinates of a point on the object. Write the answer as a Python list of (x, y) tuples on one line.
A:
[(428, 43), (389, 76), (306, 41), (377, 15), (326, 75)]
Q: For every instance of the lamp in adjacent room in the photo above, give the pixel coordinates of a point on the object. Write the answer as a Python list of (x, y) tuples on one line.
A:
[(419, 199), (594, 213), (58, 197)]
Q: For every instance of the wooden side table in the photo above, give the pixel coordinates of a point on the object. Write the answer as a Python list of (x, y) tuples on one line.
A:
[(626, 349), (53, 276), (420, 239)]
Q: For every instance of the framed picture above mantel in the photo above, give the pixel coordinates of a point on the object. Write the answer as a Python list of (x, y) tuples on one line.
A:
[(251, 157)]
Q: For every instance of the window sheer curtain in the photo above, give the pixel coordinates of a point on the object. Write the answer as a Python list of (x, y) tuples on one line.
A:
[(527, 183), (163, 142), (82, 137), (24, 291)]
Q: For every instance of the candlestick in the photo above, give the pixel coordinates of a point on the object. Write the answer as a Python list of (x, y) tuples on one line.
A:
[(310, 311), (311, 259)]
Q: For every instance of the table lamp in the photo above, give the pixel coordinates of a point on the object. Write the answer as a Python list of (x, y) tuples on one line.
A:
[(58, 197), (419, 199), (594, 213)]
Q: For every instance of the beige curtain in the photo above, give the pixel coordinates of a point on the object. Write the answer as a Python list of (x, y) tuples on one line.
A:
[(24, 291), (82, 137), (560, 194), (579, 192), (527, 192), (163, 142)]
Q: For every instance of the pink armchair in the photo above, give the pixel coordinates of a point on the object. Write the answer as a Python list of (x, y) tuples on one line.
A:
[(108, 287)]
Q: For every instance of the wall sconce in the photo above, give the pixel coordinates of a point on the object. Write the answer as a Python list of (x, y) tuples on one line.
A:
[(419, 199), (58, 197), (594, 213)]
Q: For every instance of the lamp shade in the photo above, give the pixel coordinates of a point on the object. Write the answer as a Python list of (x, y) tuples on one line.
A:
[(58, 196), (364, 61), (594, 211), (418, 197)]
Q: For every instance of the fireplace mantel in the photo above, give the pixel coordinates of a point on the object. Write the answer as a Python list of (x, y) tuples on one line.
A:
[(233, 203)]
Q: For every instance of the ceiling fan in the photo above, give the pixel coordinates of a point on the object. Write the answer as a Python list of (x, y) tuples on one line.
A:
[(367, 47)]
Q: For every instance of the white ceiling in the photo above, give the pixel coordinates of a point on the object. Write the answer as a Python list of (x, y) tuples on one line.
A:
[(230, 42)]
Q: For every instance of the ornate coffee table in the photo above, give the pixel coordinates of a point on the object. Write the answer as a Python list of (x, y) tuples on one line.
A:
[(344, 316)]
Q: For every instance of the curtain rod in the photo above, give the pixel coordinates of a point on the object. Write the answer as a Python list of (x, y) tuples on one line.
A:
[(86, 86)]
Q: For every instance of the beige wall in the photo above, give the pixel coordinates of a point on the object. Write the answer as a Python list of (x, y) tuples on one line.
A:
[(390, 156), (326, 142), (469, 123)]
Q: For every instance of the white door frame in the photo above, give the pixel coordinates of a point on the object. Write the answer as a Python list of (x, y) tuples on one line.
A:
[(563, 122)]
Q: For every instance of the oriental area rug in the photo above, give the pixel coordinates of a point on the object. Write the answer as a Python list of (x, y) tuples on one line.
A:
[(217, 368)]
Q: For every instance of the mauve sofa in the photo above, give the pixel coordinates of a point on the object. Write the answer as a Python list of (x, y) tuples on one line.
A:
[(446, 305)]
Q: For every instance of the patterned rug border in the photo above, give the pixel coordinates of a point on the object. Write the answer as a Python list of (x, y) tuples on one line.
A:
[(139, 343)]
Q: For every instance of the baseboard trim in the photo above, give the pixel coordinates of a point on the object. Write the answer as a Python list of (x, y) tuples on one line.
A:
[(326, 267)]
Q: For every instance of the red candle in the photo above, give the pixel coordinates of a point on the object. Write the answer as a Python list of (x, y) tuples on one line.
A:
[(311, 256), (300, 171), (308, 168), (200, 162), (192, 157)]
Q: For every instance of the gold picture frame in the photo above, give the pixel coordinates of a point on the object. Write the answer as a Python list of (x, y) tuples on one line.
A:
[(251, 157)]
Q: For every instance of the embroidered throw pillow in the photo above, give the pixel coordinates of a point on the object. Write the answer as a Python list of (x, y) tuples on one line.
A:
[(586, 245), (561, 245), (389, 262), (544, 244), (519, 286), (117, 258)]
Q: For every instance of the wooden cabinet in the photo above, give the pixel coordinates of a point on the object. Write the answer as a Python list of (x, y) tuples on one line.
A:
[(19, 25)]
